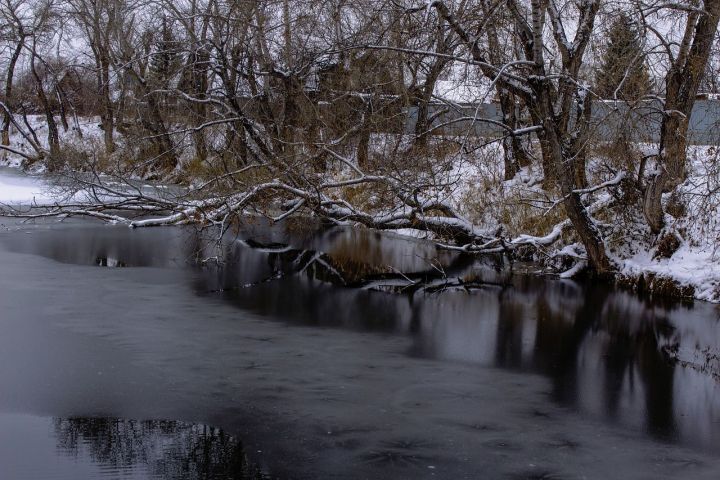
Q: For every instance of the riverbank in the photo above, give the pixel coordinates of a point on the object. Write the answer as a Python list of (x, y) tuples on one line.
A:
[(691, 269)]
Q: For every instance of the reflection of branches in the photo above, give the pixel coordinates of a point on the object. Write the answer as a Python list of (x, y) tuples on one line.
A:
[(168, 449), (338, 270)]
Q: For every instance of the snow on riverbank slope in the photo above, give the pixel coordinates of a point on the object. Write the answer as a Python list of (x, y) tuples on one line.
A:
[(84, 134), (696, 262), (698, 267), (479, 191)]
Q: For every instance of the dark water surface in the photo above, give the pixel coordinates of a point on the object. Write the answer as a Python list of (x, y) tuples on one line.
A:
[(526, 378), (105, 448)]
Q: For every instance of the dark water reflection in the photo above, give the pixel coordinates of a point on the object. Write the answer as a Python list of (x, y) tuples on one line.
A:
[(603, 352), (89, 448)]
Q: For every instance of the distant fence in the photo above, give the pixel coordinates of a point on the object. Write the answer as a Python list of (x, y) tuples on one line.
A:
[(640, 123)]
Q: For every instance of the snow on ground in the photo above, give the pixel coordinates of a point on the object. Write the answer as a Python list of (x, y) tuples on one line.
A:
[(82, 133), (19, 189), (696, 266), (697, 261)]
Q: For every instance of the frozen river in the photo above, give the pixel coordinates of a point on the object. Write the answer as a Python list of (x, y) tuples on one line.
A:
[(16, 187), (121, 369)]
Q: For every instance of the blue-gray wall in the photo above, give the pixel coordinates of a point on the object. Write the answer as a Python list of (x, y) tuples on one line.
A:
[(610, 119)]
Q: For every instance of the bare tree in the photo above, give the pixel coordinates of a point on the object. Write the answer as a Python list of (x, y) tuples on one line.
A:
[(687, 61), (96, 20), (280, 108), (33, 25), (552, 98), (14, 34)]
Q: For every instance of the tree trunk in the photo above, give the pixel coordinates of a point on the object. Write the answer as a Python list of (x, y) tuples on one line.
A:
[(153, 122), (107, 117), (8, 92), (548, 162), (514, 153), (363, 157), (198, 64), (61, 105), (363, 147), (681, 85), (670, 170), (515, 156), (562, 162), (423, 104), (581, 138), (577, 213), (53, 135)]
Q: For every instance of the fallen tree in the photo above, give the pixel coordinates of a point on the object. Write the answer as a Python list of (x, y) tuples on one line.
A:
[(225, 201)]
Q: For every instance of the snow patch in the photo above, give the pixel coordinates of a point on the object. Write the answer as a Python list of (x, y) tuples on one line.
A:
[(695, 266), (16, 189)]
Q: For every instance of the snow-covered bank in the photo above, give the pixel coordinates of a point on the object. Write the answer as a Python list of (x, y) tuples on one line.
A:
[(694, 220), (524, 209), (696, 267)]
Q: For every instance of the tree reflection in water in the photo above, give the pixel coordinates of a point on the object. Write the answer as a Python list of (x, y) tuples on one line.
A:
[(604, 350), (164, 449)]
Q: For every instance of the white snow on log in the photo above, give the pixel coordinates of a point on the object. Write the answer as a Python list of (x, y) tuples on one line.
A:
[(574, 270), (548, 239)]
